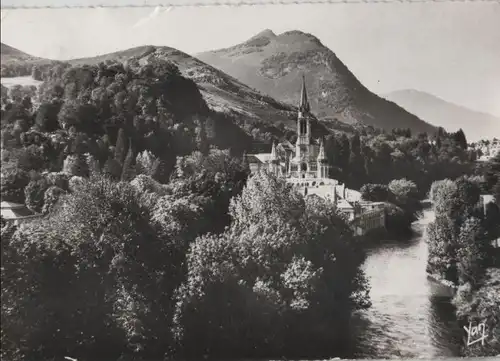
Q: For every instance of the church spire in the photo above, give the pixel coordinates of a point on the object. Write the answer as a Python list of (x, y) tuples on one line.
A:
[(274, 161), (322, 162), (273, 152), (304, 102), (321, 154)]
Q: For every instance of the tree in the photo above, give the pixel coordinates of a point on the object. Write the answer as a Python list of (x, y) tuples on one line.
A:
[(403, 189), (121, 147), (35, 193), (467, 198), (441, 236), (51, 197), (278, 264), (201, 139), (144, 162), (460, 139), (101, 239), (12, 185), (129, 171), (375, 192), (492, 173), (160, 171), (113, 169), (76, 165), (80, 114), (32, 158), (46, 116), (343, 152), (472, 253), (36, 73)]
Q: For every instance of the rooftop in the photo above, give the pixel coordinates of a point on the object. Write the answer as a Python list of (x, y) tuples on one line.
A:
[(11, 205)]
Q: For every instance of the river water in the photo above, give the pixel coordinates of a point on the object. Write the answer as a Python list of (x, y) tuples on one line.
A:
[(406, 319)]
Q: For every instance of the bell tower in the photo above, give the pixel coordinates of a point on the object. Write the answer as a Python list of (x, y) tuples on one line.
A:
[(301, 161)]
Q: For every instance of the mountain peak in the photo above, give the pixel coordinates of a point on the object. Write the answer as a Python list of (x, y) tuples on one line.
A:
[(298, 36), (267, 33), (273, 67), (11, 51)]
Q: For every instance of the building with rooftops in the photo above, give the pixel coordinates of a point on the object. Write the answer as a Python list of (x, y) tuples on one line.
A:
[(306, 167)]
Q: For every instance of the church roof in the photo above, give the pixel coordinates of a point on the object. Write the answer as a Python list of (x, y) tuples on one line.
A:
[(252, 158), (11, 205), (343, 204), (286, 145), (262, 157), (12, 211)]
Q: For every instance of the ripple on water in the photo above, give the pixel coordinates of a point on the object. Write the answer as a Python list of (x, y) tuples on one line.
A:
[(405, 320)]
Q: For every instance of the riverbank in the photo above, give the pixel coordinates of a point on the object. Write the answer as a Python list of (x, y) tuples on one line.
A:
[(441, 287), (398, 227), (481, 306), (461, 250)]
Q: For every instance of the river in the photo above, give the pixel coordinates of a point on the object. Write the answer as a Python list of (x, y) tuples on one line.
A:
[(406, 319)]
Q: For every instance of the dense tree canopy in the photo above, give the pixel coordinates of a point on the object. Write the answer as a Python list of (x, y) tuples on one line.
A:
[(461, 251), (282, 262)]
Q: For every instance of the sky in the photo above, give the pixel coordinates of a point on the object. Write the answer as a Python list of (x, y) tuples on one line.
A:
[(448, 49)]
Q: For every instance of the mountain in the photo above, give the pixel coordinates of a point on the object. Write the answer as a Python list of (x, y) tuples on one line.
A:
[(451, 117), (15, 63), (273, 64), (10, 54), (222, 92)]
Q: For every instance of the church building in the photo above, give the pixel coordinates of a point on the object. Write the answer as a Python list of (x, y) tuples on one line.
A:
[(306, 167)]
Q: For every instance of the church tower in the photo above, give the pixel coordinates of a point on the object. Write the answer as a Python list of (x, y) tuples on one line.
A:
[(303, 124), (322, 162), (302, 147)]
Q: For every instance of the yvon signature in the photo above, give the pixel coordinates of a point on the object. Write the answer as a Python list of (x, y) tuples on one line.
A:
[(476, 334)]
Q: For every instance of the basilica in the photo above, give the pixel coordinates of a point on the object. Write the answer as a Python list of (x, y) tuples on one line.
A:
[(306, 167)]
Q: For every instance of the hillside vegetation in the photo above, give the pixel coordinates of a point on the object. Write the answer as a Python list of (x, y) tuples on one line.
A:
[(16, 63)]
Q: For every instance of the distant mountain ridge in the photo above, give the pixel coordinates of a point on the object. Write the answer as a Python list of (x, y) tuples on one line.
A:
[(450, 116), (15, 62), (273, 64), (222, 92), (12, 54)]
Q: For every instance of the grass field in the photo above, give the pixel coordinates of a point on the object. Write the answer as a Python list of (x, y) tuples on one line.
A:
[(20, 80)]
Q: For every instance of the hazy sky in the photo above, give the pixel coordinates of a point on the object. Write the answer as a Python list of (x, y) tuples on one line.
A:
[(451, 50)]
